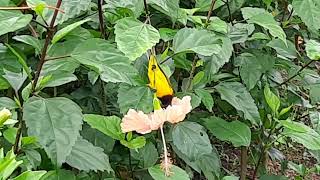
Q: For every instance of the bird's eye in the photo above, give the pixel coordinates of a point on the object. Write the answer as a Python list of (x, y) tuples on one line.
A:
[(153, 67)]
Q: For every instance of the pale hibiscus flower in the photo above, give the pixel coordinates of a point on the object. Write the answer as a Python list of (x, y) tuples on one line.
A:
[(145, 123)]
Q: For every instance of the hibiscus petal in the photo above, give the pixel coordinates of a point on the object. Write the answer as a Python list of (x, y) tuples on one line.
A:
[(185, 103), (135, 121), (158, 117)]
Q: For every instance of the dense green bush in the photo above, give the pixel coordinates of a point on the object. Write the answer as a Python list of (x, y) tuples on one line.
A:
[(71, 70)]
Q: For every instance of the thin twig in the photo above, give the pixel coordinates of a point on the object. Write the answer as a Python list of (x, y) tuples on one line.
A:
[(101, 19), (244, 161), (30, 7), (213, 2), (229, 12), (44, 26), (297, 73), (57, 57), (19, 131), (147, 11), (46, 44)]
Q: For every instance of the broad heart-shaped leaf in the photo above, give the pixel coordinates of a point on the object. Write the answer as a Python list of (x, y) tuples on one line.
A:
[(252, 66), (262, 18), (171, 9), (238, 96), (134, 37), (135, 97), (105, 59), (310, 139), (236, 132), (147, 155), (109, 125), (85, 156), (63, 32), (11, 21), (71, 9), (313, 49), (203, 42), (191, 134), (30, 175), (8, 103), (216, 61), (308, 11), (177, 173), (56, 123)]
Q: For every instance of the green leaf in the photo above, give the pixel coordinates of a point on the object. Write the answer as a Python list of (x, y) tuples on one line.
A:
[(240, 32), (252, 66), (288, 51), (30, 175), (10, 134), (308, 11), (310, 139), (230, 178), (262, 18), (167, 34), (315, 120), (315, 93), (134, 38), (136, 6), (33, 156), (210, 164), (206, 98), (104, 58), (32, 41), (272, 100), (8, 164), (218, 25), (216, 61), (64, 31), (191, 134), (59, 174), (294, 126), (21, 61), (56, 123), (135, 97), (201, 41), (313, 49), (237, 95), (11, 21), (109, 125), (16, 80), (8, 103), (204, 5), (170, 8), (147, 155), (273, 177), (177, 173), (236, 132), (97, 138), (135, 143), (71, 9), (85, 156)]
